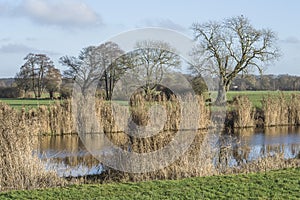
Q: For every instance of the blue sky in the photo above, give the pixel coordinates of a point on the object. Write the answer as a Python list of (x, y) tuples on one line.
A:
[(64, 27)]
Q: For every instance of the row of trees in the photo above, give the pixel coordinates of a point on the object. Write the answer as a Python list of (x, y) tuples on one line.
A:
[(266, 82), (107, 63), (103, 65), (224, 49), (37, 74)]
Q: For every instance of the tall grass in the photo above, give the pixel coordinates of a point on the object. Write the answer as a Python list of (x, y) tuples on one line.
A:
[(57, 118), (294, 110), (196, 161), (19, 167), (243, 112), (203, 158), (276, 110)]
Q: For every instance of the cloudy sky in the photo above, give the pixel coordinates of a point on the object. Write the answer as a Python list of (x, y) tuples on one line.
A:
[(64, 27)]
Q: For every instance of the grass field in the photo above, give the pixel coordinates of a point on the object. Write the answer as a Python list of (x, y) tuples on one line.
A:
[(254, 96), (281, 184), (19, 103)]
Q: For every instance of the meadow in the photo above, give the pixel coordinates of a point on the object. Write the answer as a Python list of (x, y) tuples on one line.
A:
[(279, 184), (254, 96), (28, 103)]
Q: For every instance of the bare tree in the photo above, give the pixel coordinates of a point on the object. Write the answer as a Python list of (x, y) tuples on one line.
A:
[(110, 55), (232, 46), (23, 80), (53, 81), (84, 70), (94, 63), (150, 61), (35, 68)]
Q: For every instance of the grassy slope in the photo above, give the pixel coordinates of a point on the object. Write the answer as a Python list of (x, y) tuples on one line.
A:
[(281, 184)]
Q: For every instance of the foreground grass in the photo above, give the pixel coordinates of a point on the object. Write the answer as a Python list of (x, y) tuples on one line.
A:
[(271, 185)]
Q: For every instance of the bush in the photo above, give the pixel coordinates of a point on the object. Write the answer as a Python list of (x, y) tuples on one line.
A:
[(65, 93), (10, 92)]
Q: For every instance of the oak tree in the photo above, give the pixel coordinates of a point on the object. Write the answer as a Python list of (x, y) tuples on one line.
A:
[(230, 47)]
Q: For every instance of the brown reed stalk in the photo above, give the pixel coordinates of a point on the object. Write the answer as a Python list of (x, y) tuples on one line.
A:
[(294, 110), (243, 112), (276, 110), (19, 167)]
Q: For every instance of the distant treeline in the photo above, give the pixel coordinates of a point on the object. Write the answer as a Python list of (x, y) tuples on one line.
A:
[(284, 82), (266, 82), (6, 82)]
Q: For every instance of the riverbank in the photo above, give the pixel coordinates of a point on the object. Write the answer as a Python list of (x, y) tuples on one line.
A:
[(56, 118), (279, 184)]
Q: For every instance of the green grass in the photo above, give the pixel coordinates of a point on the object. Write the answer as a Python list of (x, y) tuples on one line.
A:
[(19, 103), (281, 184), (256, 96)]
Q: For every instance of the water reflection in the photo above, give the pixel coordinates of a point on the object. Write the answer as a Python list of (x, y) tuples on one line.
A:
[(69, 157)]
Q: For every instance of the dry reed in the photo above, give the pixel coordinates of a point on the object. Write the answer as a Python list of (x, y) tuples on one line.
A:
[(57, 118), (294, 110), (19, 167), (243, 112), (276, 110), (204, 157)]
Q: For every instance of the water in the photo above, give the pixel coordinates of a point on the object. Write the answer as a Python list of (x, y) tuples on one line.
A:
[(68, 156)]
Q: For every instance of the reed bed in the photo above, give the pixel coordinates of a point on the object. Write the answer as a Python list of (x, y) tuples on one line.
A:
[(19, 167), (57, 119), (243, 112), (275, 110), (207, 155), (294, 110), (196, 161)]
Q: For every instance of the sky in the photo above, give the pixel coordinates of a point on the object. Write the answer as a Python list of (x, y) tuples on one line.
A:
[(64, 27)]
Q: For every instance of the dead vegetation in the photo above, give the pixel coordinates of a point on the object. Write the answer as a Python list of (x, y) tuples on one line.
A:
[(57, 119), (19, 167), (207, 155)]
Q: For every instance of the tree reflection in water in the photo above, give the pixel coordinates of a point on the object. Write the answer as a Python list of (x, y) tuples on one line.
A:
[(68, 156)]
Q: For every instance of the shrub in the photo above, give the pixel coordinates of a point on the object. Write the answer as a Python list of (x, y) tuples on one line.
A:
[(65, 93), (10, 92)]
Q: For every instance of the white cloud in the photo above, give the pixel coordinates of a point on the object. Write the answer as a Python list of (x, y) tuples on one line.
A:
[(291, 40), (15, 48), (63, 13), (163, 23), (3, 8), (22, 49), (6, 39)]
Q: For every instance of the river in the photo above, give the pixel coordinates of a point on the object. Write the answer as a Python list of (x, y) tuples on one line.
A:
[(68, 156)]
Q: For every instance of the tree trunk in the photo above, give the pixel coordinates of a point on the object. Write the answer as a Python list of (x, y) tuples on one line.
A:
[(221, 98), (106, 85), (110, 85), (51, 94), (222, 90)]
